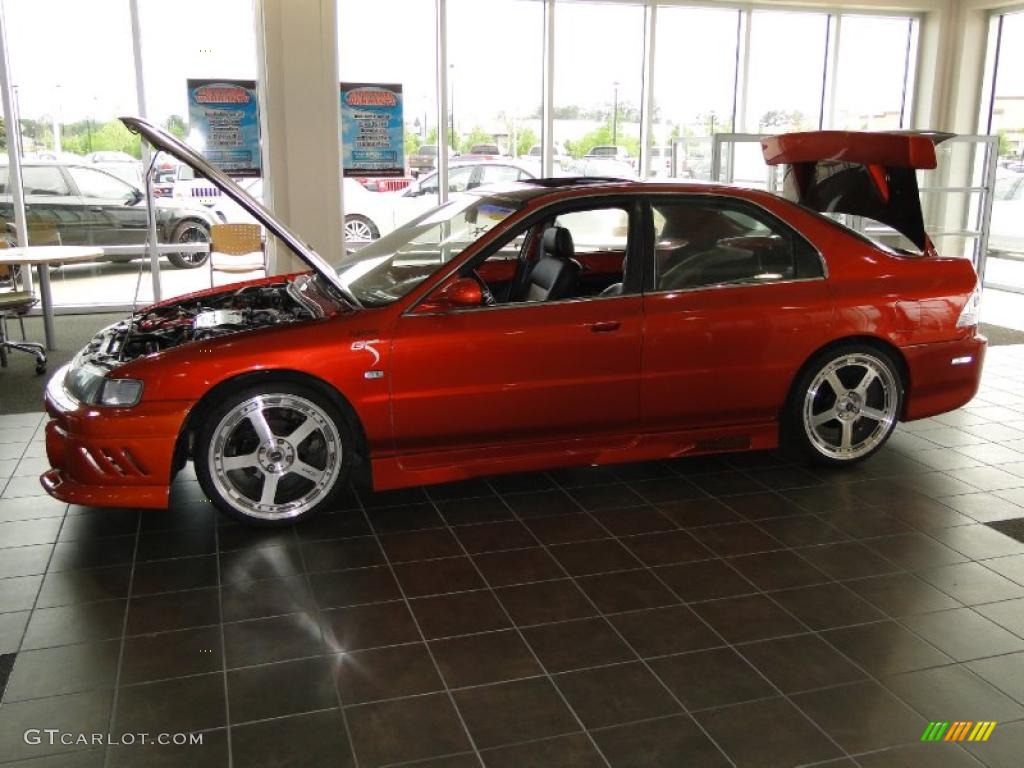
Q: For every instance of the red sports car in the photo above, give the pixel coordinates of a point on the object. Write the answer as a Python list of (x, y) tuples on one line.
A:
[(543, 324)]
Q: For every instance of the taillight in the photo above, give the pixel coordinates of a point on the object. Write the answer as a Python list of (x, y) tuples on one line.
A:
[(971, 312)]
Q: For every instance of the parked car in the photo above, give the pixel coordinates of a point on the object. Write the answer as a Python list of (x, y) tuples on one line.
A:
[(82, 204), (482, 152), (536, 154), (661, 161), (1006, 231), (607, 167), (478, 339), (424, 159), (610, 151)]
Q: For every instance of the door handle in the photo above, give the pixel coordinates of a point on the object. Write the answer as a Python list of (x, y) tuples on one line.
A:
[(606, 326), (96, 208)]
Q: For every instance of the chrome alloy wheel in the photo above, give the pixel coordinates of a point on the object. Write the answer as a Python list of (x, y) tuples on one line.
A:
[(275, 456), (850, 406), (358, 228)]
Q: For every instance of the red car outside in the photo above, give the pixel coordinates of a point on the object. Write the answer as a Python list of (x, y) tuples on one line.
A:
[(544, 324)]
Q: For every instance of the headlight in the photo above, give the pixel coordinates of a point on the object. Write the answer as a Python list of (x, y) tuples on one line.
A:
[(89, 384)]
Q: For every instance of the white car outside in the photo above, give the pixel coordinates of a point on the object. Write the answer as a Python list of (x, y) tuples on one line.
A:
[(1006, 231)]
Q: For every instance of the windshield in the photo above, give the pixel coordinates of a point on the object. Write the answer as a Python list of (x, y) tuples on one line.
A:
[(387, 269)]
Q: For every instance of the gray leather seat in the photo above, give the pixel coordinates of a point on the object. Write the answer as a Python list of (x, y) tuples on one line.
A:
[(556, 272)]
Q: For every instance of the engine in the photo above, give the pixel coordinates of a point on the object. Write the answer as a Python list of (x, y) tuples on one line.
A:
[(249, 307)]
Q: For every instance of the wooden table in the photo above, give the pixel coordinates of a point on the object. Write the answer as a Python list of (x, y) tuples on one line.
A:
[(43, 257)]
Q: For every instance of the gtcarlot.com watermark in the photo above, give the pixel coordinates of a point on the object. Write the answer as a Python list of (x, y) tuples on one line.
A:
[(54, 736)]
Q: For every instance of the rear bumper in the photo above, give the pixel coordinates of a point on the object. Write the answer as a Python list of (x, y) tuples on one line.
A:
[(943, 376), (109, 457)]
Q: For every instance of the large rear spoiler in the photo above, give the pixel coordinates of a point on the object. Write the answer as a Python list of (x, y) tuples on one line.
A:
[(858, 173)]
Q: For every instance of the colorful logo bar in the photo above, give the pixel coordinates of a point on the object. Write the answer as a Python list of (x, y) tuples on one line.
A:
[(959, 730)]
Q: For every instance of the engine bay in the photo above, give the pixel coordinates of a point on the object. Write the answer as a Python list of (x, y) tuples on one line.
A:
[(206, 317)]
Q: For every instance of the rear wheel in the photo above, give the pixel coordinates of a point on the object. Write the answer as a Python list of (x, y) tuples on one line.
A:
[(274, 454), (189, 232), (845, 405), (358, 227)]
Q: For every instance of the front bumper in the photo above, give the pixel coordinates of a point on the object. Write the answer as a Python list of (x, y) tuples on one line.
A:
[(109, 457), (943, 376)]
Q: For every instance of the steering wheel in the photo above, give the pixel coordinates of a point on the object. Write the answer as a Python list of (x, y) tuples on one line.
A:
[(485, 291)]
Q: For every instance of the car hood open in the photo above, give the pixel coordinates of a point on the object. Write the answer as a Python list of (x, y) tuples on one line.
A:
[(163, 141), (858, 173)]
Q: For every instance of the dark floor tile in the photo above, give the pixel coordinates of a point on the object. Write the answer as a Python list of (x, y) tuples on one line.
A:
[(173, 610), (521, 482), (972, 583), (420, 545), (19, 593), (395, 498), (1011, 566), (368, 626), (784, 477), (964, 634), (463, 489), (601, 497), (666, 548), (979, 541), (459, 614), (598, 556), (885, 648), (847, 560), (542, 503), (786, 737), (937, 692), (824, 498), (99, 523), (915, 551), (634, 521), (26, 532), (571, 645), (658, 631), (76, 713), (562, 529), (410, 517), (826, 606), (171, 654), (286, 688), (544, 602), (172, 706), (727, 483), (470, 511), (12, 627), (777, 570), (641, 470), (435, 577), (915, 755), (75, 555), (508, 713), (187, 542), (386, 673), (576, 477), (801, 531), (274, 743), (711, 678), (735, 539), (1008, 614), (692, 513), (490, 657), (493, 537), (763, 505), (338, 589), (753, 617), (901, 594), (862, 716), (667, 742), (339, 554), (626, 591), (70, 624), (1004, 672), (406, 729), (233, 536), (573, 750), (271, 597), (334, 526), (800, 663), (704, 580), (63, 669), (927, 514), (517, 566), (260, 641), (24, 561), (866, 522), (1003, 751), (174, 575), (617, 694), (983, 507)]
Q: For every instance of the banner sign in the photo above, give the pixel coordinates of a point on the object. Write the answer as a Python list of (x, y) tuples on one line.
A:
[(226, 116), (372, 131)]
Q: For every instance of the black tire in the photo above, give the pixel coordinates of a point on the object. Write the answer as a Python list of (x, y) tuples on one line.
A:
[(226, 435), (861, 420), (357, 223), (189, 231)]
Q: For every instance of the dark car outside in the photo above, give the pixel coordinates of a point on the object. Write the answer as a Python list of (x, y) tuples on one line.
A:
[(72, 204)]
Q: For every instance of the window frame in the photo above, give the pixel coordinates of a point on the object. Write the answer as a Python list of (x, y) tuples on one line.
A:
[(87, 170), (741, 205)]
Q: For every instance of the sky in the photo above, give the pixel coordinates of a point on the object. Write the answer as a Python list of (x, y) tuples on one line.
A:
[(74, 59)]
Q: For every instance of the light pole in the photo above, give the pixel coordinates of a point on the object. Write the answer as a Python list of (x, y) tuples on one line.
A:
[(56, 125), (615, 113)]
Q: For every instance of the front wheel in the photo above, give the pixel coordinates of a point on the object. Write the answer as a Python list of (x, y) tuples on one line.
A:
[(273, 455), (845, 405), (358, 227), (189, 232)]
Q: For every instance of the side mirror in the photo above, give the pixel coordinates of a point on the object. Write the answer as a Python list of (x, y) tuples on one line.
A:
[(457, 293)]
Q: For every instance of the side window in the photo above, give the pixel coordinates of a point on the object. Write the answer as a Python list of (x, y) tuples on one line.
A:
[(498, 174), (44, 180), (458, 181), (100, 185), (700, 244)]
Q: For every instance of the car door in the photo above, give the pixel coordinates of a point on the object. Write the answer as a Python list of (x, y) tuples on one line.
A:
[(520, 373), (53, 214), (113, 211), (736, 301)]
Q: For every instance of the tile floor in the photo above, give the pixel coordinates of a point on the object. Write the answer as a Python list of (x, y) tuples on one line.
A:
[(739, 610)]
